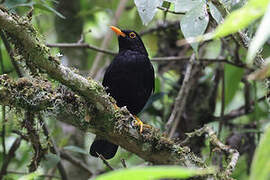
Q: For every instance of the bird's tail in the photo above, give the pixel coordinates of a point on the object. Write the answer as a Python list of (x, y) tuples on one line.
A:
[(103, 147)]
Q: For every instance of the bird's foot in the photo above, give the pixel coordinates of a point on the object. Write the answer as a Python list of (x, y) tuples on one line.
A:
[(140, 123), (115, 106)]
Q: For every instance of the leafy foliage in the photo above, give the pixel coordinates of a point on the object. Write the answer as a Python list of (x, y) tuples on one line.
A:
[(260, 168), (154, 172)]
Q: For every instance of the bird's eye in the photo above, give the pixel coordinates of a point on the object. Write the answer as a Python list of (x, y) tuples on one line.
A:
[(132, 35)]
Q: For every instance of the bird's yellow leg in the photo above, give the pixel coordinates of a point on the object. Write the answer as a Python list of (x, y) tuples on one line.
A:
[(140, 123)]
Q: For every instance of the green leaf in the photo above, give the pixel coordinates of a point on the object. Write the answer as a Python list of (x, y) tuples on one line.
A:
[(49, 9), (212, 49), (242, 17), (262, 34), (215, 13), (233, 76), (51, 160), (166, 4), (260, 167), (153, 172), (30, 4), (152, 99), (194, 23), (75, 149), (186, 5), (147, 9)]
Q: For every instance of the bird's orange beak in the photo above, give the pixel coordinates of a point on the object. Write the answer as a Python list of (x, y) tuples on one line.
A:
[(118, 31)]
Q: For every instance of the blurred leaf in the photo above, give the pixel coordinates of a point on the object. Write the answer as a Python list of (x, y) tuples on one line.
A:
[(166, 4), (75, 149), (152, 99), (46, 7), (240, 171), (194, 23), (260, 167), (262, 34), (186, 5), (233, 76), (30, 176), (38, 5), (30, 4), (151, 43), (242, 17), (157, 85), (215, 13), (5, 60), (51, 160), (154, 172), (212, 49), (147, 9)]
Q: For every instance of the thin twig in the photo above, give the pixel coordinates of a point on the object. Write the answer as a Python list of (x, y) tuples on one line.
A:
[(10, 155), (247, 95), (34, 139), (24, 137), (169, 11), (60, 166), (155, 59), (233, 152), (80, 45), (105, 161), (180, 100), (75, 161), (209, 60), (124, 163), (241, 111)]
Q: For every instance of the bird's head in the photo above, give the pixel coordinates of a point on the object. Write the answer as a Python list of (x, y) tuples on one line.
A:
[(129, 40)]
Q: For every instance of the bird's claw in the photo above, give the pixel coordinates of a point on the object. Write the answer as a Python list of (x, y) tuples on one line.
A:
[(140, 123), (115, 106)]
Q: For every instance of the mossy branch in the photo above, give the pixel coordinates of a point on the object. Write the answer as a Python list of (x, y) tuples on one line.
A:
[(97, 113)]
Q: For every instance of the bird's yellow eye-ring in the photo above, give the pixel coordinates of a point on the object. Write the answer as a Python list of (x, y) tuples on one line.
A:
[(132, 35)]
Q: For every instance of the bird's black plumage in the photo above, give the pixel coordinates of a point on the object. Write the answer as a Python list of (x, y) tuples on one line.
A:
[(129, 80)]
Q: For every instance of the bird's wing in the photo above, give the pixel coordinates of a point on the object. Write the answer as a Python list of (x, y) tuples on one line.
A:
[(128, 65)]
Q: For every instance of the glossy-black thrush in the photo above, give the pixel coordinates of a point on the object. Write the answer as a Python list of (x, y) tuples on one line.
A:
[(130, 80)]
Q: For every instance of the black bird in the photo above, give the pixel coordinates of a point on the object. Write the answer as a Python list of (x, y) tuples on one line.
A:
[(130, 80)]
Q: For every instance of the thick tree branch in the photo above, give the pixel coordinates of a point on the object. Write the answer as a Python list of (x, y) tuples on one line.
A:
[(101, 117), (68, 107)]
